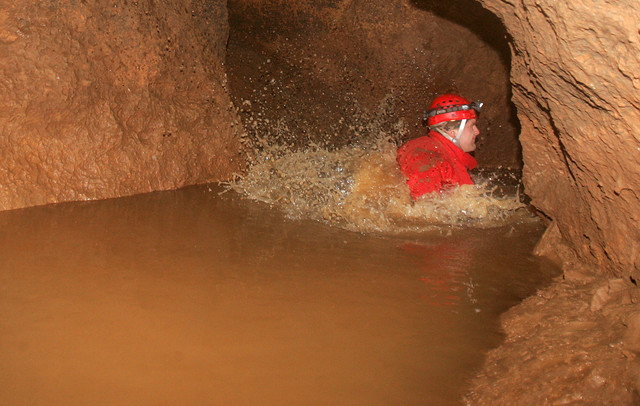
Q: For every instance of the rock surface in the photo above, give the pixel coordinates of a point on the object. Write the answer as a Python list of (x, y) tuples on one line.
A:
[(576, 76), (110, 98), (576, 81), (559, 352)]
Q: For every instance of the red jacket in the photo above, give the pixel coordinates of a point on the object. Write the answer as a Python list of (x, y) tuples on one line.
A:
[(432, 163)]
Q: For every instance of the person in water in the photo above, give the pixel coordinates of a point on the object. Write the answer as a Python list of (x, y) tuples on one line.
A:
[(441, 159)]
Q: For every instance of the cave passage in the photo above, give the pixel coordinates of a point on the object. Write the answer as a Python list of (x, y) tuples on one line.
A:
[(327, 92), (337, 72), (353, 293)]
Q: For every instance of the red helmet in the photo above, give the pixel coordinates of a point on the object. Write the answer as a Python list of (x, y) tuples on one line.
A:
[(450, 107)]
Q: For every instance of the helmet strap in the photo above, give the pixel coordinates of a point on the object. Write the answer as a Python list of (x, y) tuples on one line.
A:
[(445, 135), (463, 122), (456, 140)]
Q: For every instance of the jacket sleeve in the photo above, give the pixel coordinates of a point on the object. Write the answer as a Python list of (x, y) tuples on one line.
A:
[(425, 171)]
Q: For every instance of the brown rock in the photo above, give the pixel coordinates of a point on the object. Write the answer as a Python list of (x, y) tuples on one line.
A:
[(617, 291), (600, 298), (110, 98), (631, 338), (576, 76)]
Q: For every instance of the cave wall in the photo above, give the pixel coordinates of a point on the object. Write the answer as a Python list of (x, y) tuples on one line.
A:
[(576, 81), (109, 98), (339, 70)]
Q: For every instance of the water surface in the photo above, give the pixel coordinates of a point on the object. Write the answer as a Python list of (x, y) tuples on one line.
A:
[(194, 298)]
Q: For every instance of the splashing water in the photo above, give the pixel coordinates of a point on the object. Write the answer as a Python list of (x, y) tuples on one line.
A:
[(360, 187)]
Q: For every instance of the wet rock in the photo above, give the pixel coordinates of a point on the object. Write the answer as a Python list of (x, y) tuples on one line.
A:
[(576, 79), (600, 298), (617, 291), (631, 337), (576, 76), (559, 352), (110, 98), (579, 274)]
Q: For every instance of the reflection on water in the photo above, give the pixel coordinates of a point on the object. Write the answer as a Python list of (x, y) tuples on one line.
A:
[(195, 298)]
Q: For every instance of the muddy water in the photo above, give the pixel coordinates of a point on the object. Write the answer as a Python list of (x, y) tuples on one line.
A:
[(195, 298)]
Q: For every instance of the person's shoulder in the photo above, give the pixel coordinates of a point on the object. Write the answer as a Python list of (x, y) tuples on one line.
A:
[(423, 141)]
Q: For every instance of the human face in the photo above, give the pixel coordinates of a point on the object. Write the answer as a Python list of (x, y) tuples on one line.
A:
[(468, 137)]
